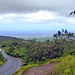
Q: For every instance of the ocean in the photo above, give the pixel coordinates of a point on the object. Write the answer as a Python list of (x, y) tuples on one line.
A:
[(26, 33)]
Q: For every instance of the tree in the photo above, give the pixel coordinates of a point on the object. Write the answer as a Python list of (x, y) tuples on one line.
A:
[(47, 41), (1, 57), (73, 12), (62, 30), (55, 36), (66, 32), (59, 33)]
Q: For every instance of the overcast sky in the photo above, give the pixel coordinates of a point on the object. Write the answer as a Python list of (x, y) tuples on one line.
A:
[(36, 15)]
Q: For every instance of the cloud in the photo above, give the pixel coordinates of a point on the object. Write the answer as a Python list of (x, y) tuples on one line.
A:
[(71, 20), (10, 15), (30, 20), (40, 15), (37, 17), (8, 21), (1, 18), (18, 6), (5, 19), (35, 11)]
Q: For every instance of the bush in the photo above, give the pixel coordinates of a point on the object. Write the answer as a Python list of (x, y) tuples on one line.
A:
[(1, 58), (66, 66), (71, 52)]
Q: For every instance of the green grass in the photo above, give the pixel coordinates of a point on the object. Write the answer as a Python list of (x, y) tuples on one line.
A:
[(24, 68), (66, 66), (30, 65), (1, 63)]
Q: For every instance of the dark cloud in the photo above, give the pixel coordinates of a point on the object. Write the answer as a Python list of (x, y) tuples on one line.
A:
[(61, 6)]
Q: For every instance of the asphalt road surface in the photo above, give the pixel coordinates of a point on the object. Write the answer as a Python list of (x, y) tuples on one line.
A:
[(11, 66)]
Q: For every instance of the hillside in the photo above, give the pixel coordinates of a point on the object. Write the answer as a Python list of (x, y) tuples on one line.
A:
[(36, 53), (6, 38)]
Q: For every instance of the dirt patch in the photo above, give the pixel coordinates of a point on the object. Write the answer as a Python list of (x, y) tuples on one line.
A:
[(40, 70)]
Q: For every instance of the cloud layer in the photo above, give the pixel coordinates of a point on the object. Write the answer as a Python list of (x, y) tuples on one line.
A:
[(36, 17), (34, 5), (36, 11)]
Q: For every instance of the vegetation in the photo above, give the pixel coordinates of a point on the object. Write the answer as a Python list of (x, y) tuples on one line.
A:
[(66, 66), (64, 34), (37, 52), (23, 69), (33, 51), (6, 38), (1, 59)]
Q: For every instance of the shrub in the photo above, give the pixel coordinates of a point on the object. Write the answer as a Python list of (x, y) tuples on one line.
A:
[(66, 66), (71, 52)]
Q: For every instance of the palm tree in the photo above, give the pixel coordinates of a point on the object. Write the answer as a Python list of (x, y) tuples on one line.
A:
[(59, 33), (62, 30), (70, 34), (73, 12), (66, 32), (55, 36), (63, 33)]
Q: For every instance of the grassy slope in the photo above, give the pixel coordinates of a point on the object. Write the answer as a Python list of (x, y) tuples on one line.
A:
[(5, 38), (65, 66), (1, 63), (2, 60), (25, 68)]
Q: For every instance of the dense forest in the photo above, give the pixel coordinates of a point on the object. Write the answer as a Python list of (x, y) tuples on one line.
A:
[(36, 51)]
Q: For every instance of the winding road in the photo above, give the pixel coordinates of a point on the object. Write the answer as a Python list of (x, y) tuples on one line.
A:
[(11, 66)]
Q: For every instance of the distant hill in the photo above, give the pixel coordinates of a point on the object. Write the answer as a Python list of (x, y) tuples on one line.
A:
[(38, 38), (5, 38)]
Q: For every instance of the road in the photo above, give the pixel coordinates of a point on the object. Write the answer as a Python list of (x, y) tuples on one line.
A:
[(11, 66)]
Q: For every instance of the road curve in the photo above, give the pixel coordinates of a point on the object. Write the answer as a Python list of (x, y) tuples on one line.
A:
[(11, 66)]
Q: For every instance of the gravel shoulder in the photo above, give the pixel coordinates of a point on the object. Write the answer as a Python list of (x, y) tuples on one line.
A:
[(40, 70)]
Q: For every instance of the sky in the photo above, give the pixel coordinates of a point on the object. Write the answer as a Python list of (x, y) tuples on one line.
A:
[(36, 15)]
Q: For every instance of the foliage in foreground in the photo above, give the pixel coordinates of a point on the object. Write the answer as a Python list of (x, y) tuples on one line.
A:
[(1, 59), (23, 69), (66, 66), (35, 51)]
